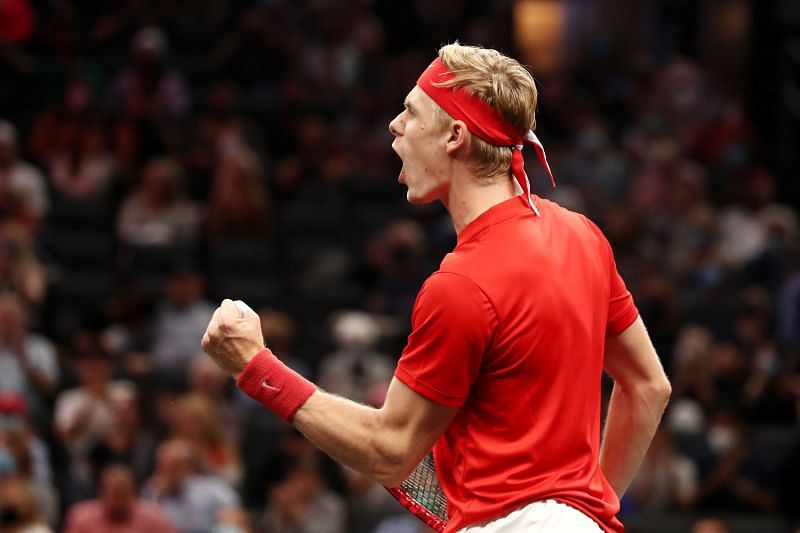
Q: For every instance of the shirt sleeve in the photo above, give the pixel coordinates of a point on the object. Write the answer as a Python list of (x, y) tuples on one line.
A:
[(452, 325), (622, 310)]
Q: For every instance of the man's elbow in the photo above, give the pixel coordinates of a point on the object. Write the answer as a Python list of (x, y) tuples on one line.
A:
[(654, 392), (392, 475), (397, 462), (659, 392), (392, 479), (665, 389), (393, 465)]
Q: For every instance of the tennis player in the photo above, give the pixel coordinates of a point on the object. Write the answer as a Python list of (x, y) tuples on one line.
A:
[(501, 374)]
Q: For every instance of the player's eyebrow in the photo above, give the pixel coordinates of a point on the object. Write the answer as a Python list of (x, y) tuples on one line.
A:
[(408, 106)]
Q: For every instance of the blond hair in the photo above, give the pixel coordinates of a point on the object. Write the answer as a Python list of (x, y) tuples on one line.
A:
[(500, 81)]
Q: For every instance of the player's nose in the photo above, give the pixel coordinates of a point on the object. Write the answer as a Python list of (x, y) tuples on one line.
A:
[(395, 126)]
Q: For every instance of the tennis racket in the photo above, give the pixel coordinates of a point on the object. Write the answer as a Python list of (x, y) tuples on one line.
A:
[(422, 495)]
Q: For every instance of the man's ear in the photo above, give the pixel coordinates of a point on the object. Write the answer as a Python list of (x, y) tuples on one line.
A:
[(459, 139)]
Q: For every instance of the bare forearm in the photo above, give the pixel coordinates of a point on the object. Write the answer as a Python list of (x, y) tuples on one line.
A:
[(384, 444), (353, 434), (633, 417)]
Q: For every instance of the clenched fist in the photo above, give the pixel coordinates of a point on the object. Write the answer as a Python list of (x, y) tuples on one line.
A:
[(233, 336)]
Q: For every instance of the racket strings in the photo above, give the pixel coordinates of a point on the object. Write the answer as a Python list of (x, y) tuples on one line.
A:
[(423, 487)]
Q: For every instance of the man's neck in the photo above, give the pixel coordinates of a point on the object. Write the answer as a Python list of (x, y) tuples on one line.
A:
[(470, 196)]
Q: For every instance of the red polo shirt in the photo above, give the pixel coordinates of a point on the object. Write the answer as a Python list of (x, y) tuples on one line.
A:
[(512, 330)]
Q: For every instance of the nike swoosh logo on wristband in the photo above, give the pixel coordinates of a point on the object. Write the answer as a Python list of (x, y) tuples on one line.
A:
[(269, 387)]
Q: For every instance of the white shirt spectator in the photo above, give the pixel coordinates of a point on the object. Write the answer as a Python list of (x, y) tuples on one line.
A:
[(194, 508), (38, 354), (99, 412), (83, 419)]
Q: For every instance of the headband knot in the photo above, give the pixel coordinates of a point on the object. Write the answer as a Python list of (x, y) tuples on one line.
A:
[(484, 122)]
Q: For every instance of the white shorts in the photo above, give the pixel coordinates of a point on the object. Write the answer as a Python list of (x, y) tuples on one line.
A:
[(543, 516)]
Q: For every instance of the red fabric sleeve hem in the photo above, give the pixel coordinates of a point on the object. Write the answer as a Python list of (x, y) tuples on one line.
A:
[(623, 321), (425, 390)]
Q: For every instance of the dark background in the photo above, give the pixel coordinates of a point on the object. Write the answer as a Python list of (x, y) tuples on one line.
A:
[(674, 124)]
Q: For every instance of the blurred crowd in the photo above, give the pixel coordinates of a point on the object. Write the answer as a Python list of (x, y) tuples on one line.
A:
[(156, 157)]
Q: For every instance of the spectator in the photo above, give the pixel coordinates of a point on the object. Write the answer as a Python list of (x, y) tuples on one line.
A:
[(84, 415), (368, 502), (129, 311), (209, 381), (58, 128), (13, 420), (667, 480), (180, 320), (303, 504), (595, 166), (150, 88), (238, 203), (20, 271), (233, 520), (767, 392), (398, 254), (156, 212), (85, 171), (23, 189), (197, 422), (118, 509), (356, 370), (27, 361), (18, 512), (693, 365), (127, 148), (129, 440), (739, 479), (17, 460), (190, 499)]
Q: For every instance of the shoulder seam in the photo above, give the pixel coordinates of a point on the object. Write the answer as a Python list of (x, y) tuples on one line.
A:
[(472, 282)]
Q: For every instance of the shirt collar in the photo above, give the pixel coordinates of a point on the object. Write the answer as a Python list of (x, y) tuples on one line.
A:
[(497, 213)]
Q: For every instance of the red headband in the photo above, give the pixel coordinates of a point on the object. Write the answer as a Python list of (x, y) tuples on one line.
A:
[(483, 121)]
